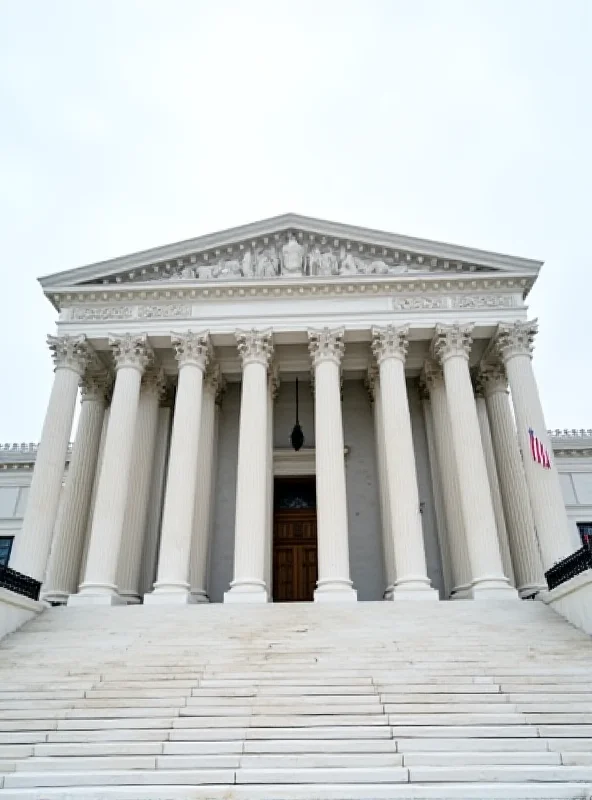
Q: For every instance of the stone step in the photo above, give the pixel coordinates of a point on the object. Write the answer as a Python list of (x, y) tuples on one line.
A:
[(196, 709), (90, 749), (570, 745), (449, 731), (478, 757), (187, 720), (479, 744), (322, 775), (444, 697), (502, 774), (190, 777), (461, 719), (466, 791), (476, 707), (283, 700)]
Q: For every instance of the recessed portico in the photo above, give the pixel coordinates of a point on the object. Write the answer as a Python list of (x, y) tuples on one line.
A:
[(197, 347)]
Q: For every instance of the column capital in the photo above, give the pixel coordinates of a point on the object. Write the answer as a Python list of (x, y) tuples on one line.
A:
[(192, 348), (390, 342), (154, 382), (70, 352), (95, 387), (432, 375), (516, 339), (491, 378), (255, 347), (326, 344), (131, 350), (452, 340)]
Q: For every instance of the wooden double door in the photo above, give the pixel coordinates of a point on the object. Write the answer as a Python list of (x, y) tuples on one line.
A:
[(295, 568)]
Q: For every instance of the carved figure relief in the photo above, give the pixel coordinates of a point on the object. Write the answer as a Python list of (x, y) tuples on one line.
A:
[(289, 257)]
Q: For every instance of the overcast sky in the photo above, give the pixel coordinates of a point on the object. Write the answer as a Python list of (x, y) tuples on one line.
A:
[(128, 124)]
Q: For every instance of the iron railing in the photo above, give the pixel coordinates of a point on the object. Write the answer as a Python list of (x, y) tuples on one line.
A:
[(19, 583), (571, 566)]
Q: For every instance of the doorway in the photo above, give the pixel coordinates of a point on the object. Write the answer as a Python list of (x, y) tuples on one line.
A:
[(295, 568)]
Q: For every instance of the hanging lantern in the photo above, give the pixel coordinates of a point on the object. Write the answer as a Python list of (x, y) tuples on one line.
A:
[(297, 436)]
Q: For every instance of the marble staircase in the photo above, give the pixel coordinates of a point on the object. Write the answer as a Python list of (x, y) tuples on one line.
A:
[(369, 701)]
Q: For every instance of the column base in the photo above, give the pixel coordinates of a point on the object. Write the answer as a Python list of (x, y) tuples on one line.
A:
[(96, 594), (200, 596), (461, 592), (246, 590), (335, 590), (413, 591), (55, 598), (530, 590), (168, 594), (388, 592), (493, 589), (131, 598), (245, 598)]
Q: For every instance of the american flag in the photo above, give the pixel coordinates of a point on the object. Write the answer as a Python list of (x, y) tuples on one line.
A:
[(539, 452)]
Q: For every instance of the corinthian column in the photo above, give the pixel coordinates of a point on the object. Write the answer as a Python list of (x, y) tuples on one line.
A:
[(136, 511), (66, 552), (250, 534), (131, 354), (451, 346), (272, 392), (496, 495), (519, 519), (515, 343), (71, 355), (448, 474), (192, 351), (326, 348), (213, 386), (437, 491), (389, 346), (373, 384)]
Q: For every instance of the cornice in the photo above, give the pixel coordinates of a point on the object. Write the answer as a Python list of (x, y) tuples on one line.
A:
[(300, 224), (402, 287)]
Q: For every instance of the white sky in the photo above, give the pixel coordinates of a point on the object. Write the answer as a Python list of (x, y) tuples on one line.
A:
[(128, 124)]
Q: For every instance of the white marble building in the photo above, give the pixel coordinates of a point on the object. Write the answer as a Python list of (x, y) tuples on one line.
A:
[(416, 395)]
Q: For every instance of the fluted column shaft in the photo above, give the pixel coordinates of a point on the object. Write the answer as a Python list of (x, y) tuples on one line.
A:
[(136, 512), (250, 533), (448, 473), (272, 388), (438, 494), (389, 346), (519, 518), (204, 488), (496, 496), (66, 552), (385, 512), (131, 355), (334, 583), (32, 545), (515, 343), (192, 351), (451, 346)]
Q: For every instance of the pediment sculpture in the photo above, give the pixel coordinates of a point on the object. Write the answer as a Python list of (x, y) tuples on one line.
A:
[(289, 260)]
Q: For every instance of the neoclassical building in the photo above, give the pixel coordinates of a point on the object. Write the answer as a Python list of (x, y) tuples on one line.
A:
[(405, 364)]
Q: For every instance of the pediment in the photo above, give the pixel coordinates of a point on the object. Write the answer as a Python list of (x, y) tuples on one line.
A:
[(290, 246)]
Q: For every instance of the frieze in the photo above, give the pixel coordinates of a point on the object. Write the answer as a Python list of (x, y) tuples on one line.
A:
[(92, 313), (486, 301), (419, 303), (164, 312)]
